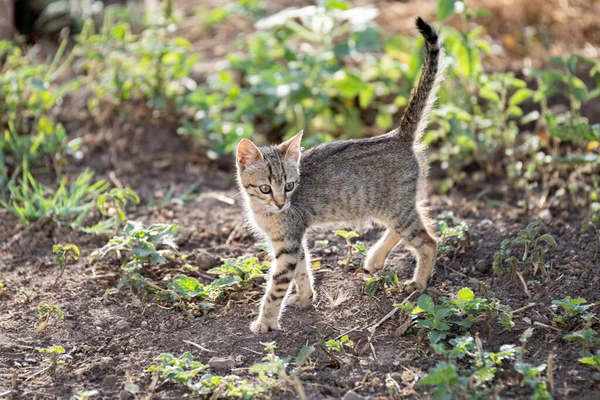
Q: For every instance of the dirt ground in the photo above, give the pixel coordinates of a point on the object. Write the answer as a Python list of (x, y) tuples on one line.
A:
[(122, 334), (112, 338)]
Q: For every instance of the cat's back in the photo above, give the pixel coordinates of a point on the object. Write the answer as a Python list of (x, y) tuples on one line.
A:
[(376, 155)]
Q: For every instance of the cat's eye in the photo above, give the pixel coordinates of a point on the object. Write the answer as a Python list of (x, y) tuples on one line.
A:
[(266, 189), (289, 186)]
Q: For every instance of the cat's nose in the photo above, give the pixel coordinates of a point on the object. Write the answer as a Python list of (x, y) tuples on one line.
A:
[(280, 206)]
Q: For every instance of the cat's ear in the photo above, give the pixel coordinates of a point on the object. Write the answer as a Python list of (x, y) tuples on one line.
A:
[(291, 147), (247, 154)]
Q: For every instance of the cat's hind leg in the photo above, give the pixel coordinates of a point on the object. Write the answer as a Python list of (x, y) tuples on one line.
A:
[(421, 242), (378, 254), (305, 293)]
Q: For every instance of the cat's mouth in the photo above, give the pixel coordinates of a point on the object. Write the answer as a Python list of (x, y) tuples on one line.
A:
[(277, 210)]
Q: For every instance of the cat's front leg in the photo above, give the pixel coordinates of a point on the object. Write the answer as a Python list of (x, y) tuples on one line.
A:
[(287, 253)]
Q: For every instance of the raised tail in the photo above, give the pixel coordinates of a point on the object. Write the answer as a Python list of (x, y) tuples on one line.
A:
[(423, 95)]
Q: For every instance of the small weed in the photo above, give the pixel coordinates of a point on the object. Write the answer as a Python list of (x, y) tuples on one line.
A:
[(68, 205), (62, 252), (587, 338), (454, 239), (56, 354), (25, 296), (456, 314), (532, 376), (574, 310), (533, 251), (358, 247), (388, 281), (592, 360), (86, 395), (338, 345), (144, 246), (455, 380), (594, 222), (48, 313), (2, 289), (275, 366), (114, 203), (178, 369)]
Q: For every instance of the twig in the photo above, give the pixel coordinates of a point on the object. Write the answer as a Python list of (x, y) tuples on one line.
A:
[(549, 375), (524, 284), (536, 323), (528, 306), (37, 373), (347, 332), (391, 313), (198, 346), (232, 234)]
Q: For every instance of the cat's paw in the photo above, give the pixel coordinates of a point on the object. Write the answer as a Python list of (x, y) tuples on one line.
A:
[(414, 286), (262, 326), (372, 265), (301, 302)]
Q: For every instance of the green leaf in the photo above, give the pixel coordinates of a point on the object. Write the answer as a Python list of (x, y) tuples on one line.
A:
[(549, 239), (445, 9), (465, 294), (303, 355), (186, 286), (143, 249), (520, 96), (426, 303)]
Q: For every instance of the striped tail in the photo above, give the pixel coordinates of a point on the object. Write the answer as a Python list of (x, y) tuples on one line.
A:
[(423, 96)]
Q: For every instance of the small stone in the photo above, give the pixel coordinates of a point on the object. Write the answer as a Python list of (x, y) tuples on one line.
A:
[(483, 266), (352, 395), (123, 326), (124, 395), (110, 381), (144, 324), (106, 360), (540, 318), (397, 376), (221, 364)]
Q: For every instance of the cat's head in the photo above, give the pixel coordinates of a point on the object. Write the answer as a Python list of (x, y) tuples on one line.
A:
[(269, 175)]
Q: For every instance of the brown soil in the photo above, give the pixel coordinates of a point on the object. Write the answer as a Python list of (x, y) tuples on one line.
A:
[(111, 337)]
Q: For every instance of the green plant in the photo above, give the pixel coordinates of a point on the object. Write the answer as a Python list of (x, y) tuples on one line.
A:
[(85, 395), (358, 247), (387, 281), (275, 366), (2, 289), (532, 376), (177, 369), (68, 205), (533, 252), (592, 360), (244, 8), (46, 313), (455, 314), (587, 337), (28, 133), (114, 202), (339, 344), (573, 309), (143, 244), (454, 239), (594, 221), (155, 246), (62, 252), (184, 370), (467, 371), (56, 354)]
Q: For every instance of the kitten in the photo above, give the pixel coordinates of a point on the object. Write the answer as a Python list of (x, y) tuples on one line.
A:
[(381, 179)]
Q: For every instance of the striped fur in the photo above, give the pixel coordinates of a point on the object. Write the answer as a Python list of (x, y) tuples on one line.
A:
[(381, 179)]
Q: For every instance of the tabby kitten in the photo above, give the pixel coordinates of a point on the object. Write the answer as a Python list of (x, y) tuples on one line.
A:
[(381, 179)]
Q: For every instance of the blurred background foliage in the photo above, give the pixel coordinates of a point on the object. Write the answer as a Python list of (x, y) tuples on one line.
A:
[(520, 106)]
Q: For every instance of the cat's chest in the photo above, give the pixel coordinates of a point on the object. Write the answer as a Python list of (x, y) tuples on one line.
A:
[(270, 224)]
